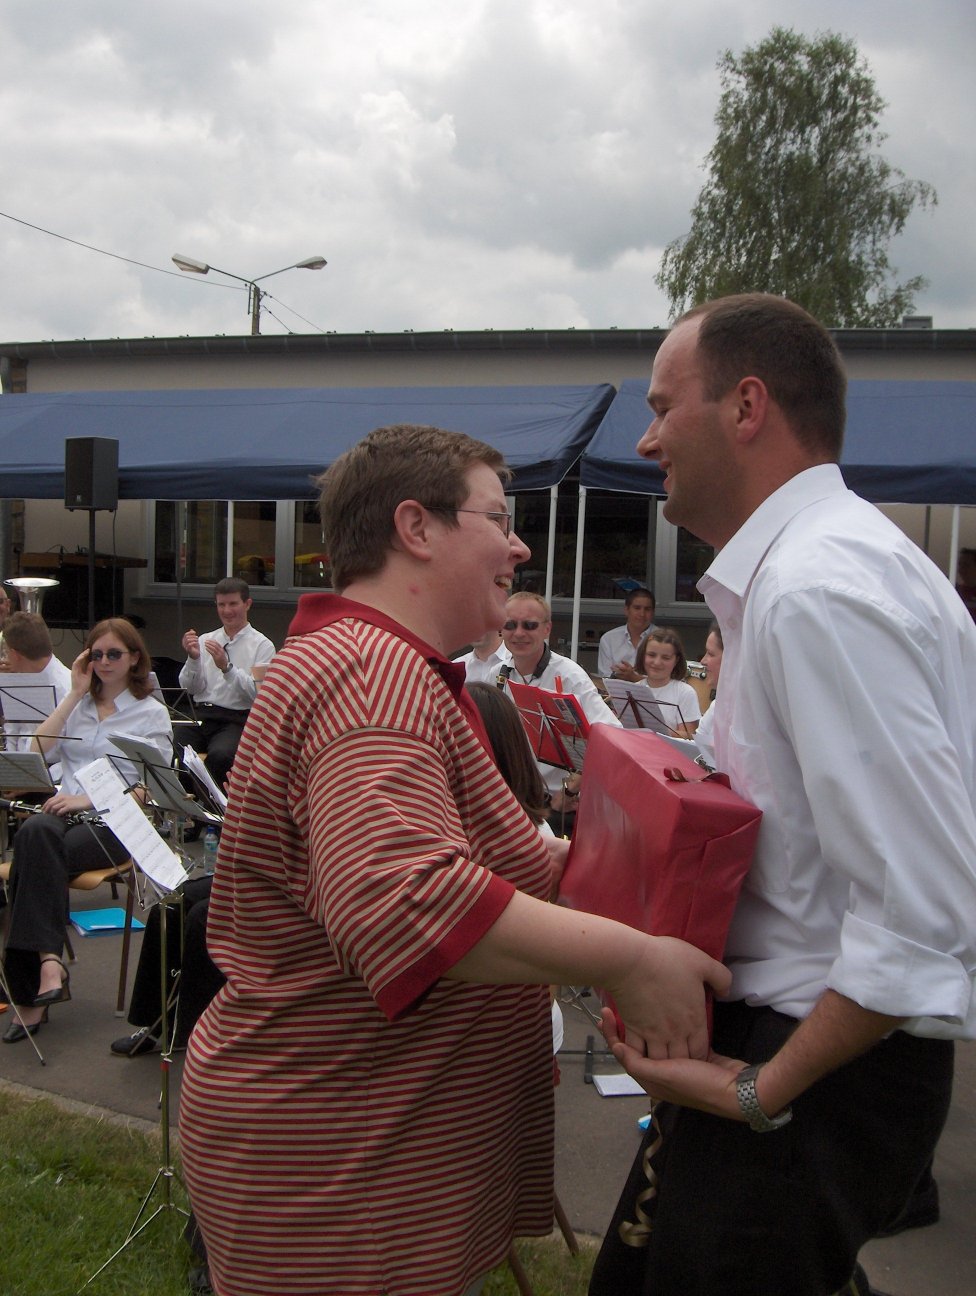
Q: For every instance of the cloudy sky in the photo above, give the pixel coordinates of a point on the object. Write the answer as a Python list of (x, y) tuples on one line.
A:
[(460, 163)]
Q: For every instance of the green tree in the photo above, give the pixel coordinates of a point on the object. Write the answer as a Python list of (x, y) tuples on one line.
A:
[(799, 200)]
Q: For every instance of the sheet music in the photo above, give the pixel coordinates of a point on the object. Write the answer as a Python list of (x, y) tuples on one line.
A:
[(554, 723), (125, 817), (23, 700), (196, 766), (25, 771), (636, 707), (163, 782)]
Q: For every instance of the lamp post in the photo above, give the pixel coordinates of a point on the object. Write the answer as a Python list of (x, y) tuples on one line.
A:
[(254, 293)]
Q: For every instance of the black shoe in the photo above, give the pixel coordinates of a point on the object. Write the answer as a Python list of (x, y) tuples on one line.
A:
[(140, 1041), (15, 1032), (61, 993)]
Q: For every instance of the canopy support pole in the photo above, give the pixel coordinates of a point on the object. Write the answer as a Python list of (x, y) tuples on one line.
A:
[(578, 575)]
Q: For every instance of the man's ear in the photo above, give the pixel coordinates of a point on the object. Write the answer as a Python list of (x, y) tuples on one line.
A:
[(411, 530), (751, 406)]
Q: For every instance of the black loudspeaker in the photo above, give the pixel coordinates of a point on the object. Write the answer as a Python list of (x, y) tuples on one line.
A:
[(91, 473)]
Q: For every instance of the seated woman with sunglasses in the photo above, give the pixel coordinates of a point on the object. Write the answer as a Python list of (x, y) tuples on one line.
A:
[(110, 695)]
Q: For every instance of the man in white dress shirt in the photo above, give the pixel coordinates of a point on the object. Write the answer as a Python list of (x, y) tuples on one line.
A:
[(526, 633), (853, 945), (618, 647), (219, 676)]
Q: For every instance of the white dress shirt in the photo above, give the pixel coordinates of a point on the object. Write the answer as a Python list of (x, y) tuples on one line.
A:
[(238, 688), (572, 679), (86, 737), (615, 646), (479, 670), (847, 715)]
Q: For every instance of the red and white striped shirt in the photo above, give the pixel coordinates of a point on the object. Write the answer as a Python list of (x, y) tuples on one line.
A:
[(351, 1122)]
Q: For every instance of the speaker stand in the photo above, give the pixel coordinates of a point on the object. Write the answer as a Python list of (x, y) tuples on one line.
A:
[(91, 568)]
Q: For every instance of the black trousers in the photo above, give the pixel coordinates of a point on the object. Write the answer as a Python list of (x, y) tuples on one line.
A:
[(186, 955), (219, 735), (48, 851), (716, 1210)]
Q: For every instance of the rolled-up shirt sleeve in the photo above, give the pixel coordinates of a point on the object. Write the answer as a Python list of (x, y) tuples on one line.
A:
[(889, 786)]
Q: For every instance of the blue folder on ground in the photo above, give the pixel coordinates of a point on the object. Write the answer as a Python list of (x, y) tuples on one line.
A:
[(99, 922)]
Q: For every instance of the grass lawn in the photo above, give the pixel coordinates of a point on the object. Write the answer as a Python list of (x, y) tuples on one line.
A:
[(70, 1187)]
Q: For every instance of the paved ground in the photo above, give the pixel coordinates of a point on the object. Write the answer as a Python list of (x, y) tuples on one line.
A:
[(597, 1137)]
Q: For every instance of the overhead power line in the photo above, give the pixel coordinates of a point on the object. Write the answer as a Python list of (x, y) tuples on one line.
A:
[(173, 274)]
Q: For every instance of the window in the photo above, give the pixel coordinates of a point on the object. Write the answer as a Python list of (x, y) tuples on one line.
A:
[(279, 547), (617, 546), (212, 539), (311, 569)]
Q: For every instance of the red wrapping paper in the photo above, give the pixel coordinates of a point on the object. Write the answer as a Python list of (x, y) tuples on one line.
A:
[(668, 857)]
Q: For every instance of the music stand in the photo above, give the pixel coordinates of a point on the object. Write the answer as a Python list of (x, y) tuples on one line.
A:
[(163, 782), (24, 700), (162, 876), (179, 704), (555, 724), (636, 708), (24, 772)]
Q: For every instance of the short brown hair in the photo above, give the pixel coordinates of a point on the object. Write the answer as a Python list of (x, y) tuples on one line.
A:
[(680, 668), (773, 339), (233, 585), (138, 683), (360, 492), (27, 633)]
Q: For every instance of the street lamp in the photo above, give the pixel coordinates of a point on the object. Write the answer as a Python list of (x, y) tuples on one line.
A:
[(254, 293)]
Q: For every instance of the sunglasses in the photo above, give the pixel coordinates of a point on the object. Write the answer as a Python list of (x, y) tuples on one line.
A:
[(526, 625), (113, 654)]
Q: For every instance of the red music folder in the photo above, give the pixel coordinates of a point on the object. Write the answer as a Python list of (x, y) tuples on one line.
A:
[(555, 724)]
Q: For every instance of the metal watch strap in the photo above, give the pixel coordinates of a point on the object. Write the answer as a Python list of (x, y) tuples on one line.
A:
[(745, 1091)]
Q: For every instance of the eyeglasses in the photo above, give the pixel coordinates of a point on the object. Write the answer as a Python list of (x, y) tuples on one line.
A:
[(526, 625), (113, 654), (504, 520)]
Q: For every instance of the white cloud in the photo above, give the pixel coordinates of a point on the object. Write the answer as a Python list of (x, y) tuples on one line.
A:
[(503, 163)]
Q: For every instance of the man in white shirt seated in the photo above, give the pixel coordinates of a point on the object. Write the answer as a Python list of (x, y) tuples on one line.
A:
[(219, 676), (526, 634), (28, 651), (485, 660), (618, 647)]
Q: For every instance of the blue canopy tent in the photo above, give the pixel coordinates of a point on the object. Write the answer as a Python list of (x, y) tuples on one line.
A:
[(906, 443), (270, 443), (262, 444)]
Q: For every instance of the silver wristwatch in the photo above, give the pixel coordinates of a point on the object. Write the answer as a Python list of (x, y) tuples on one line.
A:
[(745, 1091)]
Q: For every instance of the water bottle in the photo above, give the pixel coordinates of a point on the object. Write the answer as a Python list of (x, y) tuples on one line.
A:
[(211, 840)]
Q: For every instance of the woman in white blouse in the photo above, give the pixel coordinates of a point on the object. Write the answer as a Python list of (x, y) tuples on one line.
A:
[(110, 695)]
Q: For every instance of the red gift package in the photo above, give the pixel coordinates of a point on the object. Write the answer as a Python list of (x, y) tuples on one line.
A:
[(658, 844)]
